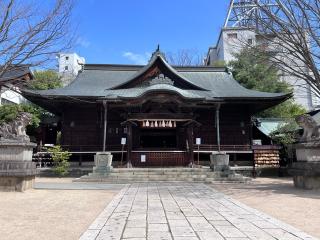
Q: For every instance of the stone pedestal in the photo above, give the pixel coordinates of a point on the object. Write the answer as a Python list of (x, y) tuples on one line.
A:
[(219, 162), (17, 171), (306, 171), (103, 163)]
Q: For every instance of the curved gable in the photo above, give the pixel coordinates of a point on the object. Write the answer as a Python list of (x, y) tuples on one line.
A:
[(158, 70)]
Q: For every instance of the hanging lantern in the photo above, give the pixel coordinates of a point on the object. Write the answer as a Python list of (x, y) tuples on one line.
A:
[(163, 123), (156, 124), (167, 123), (152, 124), (143, 123), (174, 124), (170, 123), (147, 123)]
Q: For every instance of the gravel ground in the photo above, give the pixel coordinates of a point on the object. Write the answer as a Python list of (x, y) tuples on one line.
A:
[(50, 214), (280, 199)]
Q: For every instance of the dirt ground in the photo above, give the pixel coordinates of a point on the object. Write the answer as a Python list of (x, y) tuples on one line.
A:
[(280, 199), (66, 214), (50, 214)]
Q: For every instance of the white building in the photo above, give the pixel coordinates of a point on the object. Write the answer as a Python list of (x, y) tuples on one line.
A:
[(10, 94), (238, 32), (69, 66), (230, 42), (11, 97)]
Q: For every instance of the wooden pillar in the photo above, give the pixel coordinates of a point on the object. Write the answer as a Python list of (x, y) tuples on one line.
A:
[(0, 95), (190, 142), (80, 159), (218, 125), (129, 144), (105, 124)]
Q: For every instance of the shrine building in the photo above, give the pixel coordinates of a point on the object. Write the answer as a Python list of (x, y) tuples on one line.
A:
[(157, 114)]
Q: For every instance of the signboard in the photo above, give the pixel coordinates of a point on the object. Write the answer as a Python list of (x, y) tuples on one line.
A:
[(256, 142), (123, 141), (198, 141), (143, 158)]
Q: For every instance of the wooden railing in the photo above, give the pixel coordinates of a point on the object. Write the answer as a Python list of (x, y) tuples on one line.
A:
[(208, 147), (118, 148), (93, 148)]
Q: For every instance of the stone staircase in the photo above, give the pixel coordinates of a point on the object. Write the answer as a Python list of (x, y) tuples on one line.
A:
[(129, 175)]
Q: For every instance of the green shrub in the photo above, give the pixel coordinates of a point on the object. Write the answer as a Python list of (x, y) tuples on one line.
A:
[(60, 160), (10, 112)]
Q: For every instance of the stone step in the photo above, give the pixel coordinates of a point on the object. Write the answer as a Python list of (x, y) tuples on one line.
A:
[(159, 170), (129, 175), (128, 181), (164, 175), (174, 176), (159, 177), (160, 174), (181, 176), (124, 181), (157, 173)]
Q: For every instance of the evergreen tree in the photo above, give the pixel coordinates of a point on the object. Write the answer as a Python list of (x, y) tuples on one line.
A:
[(44, 80), (253, 70)]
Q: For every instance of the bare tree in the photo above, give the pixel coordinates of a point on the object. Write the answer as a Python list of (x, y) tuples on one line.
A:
[(33, 32), (294, 33), (185, 57)]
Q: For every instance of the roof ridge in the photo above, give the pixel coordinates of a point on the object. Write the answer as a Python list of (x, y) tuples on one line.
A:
[(132, 67), (112, 67)]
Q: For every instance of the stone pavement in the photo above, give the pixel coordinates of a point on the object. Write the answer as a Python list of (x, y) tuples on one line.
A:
[(183, 211)]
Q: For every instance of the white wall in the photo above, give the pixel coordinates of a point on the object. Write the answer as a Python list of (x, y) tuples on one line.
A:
[(69, 66), (9, 96), (227, 46), (70, 63)]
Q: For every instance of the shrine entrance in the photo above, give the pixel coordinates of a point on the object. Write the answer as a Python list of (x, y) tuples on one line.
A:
[(158, 139), (161, 142)]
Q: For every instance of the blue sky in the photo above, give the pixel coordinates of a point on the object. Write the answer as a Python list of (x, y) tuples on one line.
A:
[(127, 31)]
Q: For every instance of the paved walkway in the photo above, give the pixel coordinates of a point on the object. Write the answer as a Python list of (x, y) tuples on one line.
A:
[(78, 186), (181, 211)]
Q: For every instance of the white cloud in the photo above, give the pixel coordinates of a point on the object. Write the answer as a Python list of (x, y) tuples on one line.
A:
[(137, 58), (83, 42)]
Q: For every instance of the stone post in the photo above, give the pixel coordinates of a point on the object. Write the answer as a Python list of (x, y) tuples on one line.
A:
[(103, 163), (306, 171), (17, 171), (219, 161)]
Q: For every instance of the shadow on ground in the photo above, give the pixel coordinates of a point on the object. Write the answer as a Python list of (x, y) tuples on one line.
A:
[(267, 187)]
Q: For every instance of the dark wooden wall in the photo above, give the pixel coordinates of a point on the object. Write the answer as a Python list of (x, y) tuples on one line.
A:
[(87, 126), (234, 126), (80, 125)]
